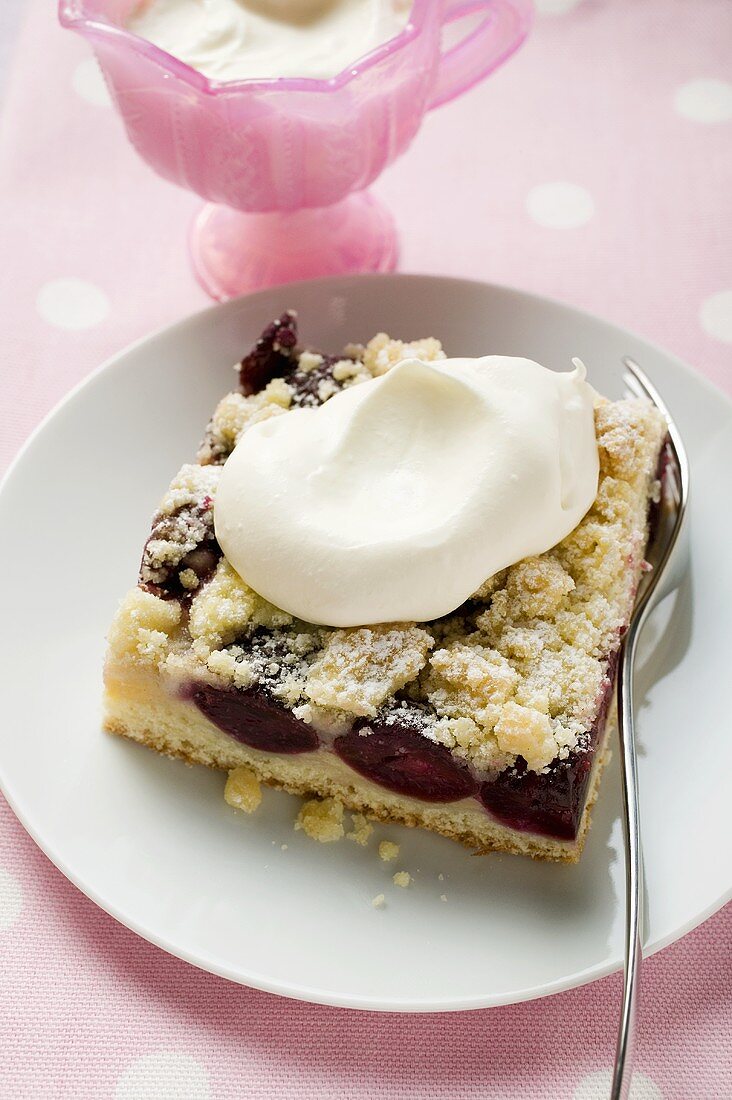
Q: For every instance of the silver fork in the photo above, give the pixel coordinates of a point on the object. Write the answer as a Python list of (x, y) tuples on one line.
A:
[(668, 555)]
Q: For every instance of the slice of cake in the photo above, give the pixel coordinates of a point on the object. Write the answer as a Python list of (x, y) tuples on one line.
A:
[(488, 724)]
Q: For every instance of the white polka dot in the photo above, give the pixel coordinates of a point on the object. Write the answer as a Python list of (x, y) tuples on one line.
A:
[(167, 1075), (716, 316), (88, 82), (560, 205), (72, 303), (596, 1086), (705, 100), (555, 7), (11, 899)]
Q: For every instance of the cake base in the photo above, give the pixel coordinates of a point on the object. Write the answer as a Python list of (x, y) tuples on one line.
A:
[(143, 711)]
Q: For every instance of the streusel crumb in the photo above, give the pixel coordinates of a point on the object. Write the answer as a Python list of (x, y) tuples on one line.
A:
[(528, 733), (388, 851), (470, 681), (358, 669), (189, 579), (322, 820), (242, 790), (402, 878), (379, 901), (142, 630), (235, 413), (226, 607), (361, 831), (382, 353), (537, 587), (309, 360)]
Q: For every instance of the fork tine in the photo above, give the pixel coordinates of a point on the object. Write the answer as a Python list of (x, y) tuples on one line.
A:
[(632, 385), (636, 377), (640, 381)]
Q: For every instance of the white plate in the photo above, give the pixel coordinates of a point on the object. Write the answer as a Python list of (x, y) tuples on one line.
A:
[(153, 842)]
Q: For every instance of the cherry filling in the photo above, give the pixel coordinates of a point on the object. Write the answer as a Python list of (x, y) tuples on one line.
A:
[(191, 523), (254, 718), (273, 355), (397, 756), (550, 803), (403, 760)]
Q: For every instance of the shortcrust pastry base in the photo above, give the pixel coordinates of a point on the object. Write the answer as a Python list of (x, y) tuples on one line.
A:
[(143, 711)]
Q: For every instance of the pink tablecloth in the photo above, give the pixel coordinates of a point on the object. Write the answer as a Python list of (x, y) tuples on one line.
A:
[(596, 167)]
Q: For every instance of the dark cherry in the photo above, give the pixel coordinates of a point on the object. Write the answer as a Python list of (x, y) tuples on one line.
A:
[(550, 804), (254, 718), (273, 355), (164, 580), (203, 560), (403, 760)]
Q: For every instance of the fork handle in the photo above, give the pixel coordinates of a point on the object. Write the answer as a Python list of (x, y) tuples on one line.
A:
[(633, 871)]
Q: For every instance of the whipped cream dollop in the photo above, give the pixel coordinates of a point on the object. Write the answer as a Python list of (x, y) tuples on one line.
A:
[(241, 39), (399, 497)]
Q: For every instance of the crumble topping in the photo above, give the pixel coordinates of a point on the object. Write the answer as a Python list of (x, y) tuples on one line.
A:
[(382, 353), (623, 431), (235, 413), (225, 608), (322, 820), (310, 360), (536, 587), (242, 790), (360, 668), (469, 680), (228, 665), (189, 579), (522, 731), (327, 720), (143, 627), (276, 660)]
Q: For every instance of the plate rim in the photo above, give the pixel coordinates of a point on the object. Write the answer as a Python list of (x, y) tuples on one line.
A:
[(315, 995)]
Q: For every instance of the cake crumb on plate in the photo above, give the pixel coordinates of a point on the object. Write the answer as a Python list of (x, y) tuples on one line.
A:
[(379, 901), (322, 819), (242, 790), (361, 831), (388, 851), (402, 878)]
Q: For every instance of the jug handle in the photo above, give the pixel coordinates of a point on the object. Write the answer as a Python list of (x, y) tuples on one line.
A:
[(488, 45)]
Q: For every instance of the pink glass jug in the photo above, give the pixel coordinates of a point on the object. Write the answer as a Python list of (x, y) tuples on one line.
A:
[(284, 163)]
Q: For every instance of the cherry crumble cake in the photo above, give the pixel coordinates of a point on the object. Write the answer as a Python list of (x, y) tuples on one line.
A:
[(488, 725)]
